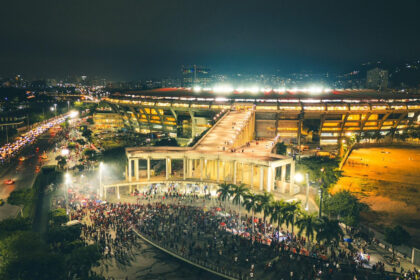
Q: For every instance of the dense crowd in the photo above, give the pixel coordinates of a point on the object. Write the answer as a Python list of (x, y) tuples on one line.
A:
[(214, 238)]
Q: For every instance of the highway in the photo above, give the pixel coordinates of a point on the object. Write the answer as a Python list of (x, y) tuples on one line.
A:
[(23, 173)]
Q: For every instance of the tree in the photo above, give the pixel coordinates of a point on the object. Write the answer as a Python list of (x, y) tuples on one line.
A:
[(61, 161), (346, 207), (23, 255), (81, 261), (87, 133), (90, 154), (60, 236), (328, 230), (58, 217), (281, 148), (167, 142), (10, 225), (251, 202), (80, 167), (81, 142), (20, 197), (265, 200), (392, 132), (225, 191), (322, 169), (71, 146), (238, 193), (276, 212), (307, 223), (290, 211), (396, 236), (377, 135)]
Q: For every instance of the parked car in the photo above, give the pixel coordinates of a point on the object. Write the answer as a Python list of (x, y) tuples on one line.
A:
[(9, 182)]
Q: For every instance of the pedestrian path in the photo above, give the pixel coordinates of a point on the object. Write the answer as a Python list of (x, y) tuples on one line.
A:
[(224, 132)]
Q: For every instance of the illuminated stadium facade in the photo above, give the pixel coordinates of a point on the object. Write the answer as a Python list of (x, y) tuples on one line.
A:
[(326, 116)]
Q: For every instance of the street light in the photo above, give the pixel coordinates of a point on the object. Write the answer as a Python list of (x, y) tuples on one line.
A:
[(299, 179), (68, 105), (67, 182), (55, 109), (101, 166), (321, 191), (73, 114), (65, 152)]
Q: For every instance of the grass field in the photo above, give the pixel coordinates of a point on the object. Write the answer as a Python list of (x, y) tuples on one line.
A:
[(388, 180)]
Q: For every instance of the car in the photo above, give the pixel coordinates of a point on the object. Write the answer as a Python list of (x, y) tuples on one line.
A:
[(22, 158), (1, 202), (37, 169), (9, 182)]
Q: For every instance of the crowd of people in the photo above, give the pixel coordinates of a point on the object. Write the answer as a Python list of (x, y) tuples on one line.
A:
[(214, 238)]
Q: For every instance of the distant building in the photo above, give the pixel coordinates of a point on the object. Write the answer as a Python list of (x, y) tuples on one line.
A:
[(377, 79), (195, 76)]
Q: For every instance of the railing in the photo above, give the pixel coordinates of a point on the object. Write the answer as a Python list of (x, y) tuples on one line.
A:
[(193, 261)]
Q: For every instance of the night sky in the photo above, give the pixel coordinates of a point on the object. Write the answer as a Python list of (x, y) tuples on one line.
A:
[(135, 39)]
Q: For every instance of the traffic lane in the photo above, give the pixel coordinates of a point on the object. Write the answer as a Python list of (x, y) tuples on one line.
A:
[(23, 173)]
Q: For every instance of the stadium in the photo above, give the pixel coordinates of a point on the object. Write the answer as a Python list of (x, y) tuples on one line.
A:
[(317, 115)]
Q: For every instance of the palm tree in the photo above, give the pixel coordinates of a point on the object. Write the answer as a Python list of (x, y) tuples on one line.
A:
[(265, 200), (290, 211), (328, 230), (392, 132), (307, 223), (251, 202), (277, 211), (225, 192), (238, 193), (377, 136)]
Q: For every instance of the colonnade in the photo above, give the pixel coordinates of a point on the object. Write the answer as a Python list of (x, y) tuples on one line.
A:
[(256, 174)]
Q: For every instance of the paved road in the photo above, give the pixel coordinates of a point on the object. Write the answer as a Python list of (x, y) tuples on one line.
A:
[(23, 173)]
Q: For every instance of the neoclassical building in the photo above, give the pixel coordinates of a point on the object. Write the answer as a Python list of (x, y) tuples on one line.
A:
[(227, 153)]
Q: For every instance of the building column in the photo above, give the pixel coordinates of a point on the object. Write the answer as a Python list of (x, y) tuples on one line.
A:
[(269, 178), (292, 176), (217, 170), (234, 172), (251, 176), (184, 168), (129, 170), (170, 166), (148, 168), (242, 172), (283, 173), (167, 168), (283, 178), (261, 178), (190, 165), (201, 168), (136, 169)]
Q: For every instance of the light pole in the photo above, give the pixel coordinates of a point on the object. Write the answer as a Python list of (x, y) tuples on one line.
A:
[(67, 192), (299, 179), (101, 164), (321, 192), (55, 109), (307, 192), (68, 105)]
